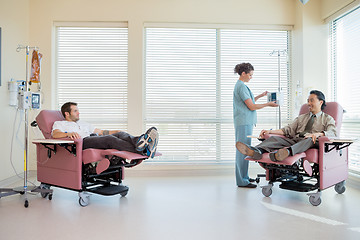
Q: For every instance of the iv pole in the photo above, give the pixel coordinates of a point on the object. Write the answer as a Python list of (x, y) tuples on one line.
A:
[(279, 53), (25, 189), (24, 93)]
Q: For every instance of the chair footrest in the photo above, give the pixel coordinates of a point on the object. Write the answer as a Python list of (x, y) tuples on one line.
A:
[(109, 190), (298, 186)]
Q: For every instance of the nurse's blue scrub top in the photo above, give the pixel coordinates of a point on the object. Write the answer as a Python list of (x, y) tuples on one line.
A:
[(241, 113)]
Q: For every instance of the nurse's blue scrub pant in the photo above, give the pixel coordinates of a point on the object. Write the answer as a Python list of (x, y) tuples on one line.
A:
[(242, 165)]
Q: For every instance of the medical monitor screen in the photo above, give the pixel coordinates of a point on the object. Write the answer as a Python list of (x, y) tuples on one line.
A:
[(273, 96), (35, 100)]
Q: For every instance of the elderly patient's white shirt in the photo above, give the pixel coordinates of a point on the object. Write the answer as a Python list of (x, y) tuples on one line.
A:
[(84, 129)]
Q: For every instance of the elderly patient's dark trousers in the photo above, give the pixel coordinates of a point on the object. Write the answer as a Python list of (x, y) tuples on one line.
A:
[(121, 141), (297, 145)]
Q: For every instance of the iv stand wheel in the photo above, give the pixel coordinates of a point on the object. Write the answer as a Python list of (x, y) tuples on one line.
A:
[(45, 194), (26, 204)]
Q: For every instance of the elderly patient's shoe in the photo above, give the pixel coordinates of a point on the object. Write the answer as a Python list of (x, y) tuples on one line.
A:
[(246, 150), (279, 155), (250, 185)]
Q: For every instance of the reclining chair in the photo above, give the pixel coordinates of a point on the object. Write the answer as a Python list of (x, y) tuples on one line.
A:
[(314, 169), (63, 163)]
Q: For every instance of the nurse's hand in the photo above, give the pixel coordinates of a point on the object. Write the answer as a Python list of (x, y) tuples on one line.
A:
[(272, 104), (263, 94)]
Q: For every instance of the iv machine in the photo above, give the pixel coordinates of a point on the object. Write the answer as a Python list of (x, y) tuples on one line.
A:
[(21, 98), (276, 97)]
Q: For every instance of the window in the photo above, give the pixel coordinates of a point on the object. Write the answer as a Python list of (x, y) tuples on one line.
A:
[(189, 87), (345, 72), (91, 70)]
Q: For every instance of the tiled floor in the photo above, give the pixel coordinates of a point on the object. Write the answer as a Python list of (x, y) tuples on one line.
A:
[(183, 207)]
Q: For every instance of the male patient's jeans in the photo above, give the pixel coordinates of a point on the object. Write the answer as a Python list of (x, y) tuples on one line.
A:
[(121, 141)]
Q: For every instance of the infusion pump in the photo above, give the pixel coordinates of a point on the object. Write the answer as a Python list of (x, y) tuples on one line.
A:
[(21, 98), (276, 97), (28, 100)]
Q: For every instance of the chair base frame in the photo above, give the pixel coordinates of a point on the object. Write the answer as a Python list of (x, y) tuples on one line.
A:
[(295, 177)]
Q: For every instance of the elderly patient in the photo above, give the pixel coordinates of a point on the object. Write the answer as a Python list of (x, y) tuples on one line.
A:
[(301, 134), (73, 128)]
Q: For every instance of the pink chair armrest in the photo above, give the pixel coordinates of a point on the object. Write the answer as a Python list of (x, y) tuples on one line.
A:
[(323, 139)]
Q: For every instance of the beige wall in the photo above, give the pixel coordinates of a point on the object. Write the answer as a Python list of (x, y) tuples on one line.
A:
[(31, 22), (310, 45), (330, 7), (14, 21), (310, 50)]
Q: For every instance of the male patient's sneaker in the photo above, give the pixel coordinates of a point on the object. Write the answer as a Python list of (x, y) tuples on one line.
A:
[(141, 144), (151, 138)]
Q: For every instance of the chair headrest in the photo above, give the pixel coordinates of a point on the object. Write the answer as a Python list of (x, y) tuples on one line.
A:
[(334, 109), (45, 120)]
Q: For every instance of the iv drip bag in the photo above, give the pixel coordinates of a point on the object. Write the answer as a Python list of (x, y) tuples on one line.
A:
[(35, 67)]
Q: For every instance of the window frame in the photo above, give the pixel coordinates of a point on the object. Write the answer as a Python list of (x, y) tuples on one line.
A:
[(115, 124), (348, 122), (223, 27)]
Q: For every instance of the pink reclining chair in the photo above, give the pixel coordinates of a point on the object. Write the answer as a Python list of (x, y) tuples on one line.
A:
[(63, 163), (314, 169)]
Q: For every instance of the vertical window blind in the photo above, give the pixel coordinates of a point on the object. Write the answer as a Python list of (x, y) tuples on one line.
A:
[(189, 87), (345, 72), (91, 69)]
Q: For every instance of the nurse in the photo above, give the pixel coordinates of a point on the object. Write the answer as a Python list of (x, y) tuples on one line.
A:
[(244, 113)]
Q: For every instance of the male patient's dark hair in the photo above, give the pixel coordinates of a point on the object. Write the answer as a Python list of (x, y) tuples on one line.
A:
[(66, 107), (320, 96)]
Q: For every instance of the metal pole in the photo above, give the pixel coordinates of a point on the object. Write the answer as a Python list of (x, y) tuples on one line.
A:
[(26, 126), (24, 189), (279, 87), (279, 52)]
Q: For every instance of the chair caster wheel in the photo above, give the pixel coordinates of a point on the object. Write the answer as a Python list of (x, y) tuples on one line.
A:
[(123, 194), (315, 198), (266, 192), (84, 199), (314, 201), (340, 187)]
